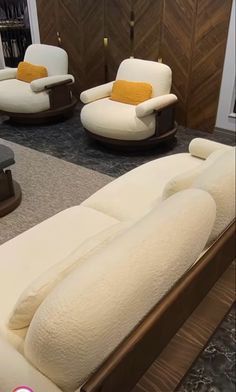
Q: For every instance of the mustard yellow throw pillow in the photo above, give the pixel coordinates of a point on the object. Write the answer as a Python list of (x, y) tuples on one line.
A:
[(132, 93), (28, 72)]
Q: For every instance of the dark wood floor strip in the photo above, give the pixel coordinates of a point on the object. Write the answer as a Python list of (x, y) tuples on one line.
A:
[(176, 359)]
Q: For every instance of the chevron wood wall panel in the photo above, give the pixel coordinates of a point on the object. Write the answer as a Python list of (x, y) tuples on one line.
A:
[(47, 26), (147, 28), (212, 20), (69, 28), (176, 47), (117, 29), (92, 34)]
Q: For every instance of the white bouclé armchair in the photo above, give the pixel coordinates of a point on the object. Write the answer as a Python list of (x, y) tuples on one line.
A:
[(42, 98), (125, 125)]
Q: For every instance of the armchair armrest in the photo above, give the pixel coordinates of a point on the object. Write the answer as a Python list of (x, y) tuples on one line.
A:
[(157, 103), (95, 93), (50, 82), (15, 371), (8, 73)]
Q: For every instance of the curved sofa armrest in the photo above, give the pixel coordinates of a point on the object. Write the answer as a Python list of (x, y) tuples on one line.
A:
[(95, 93), (8, 73), (157, 103), (202, 148), (16, 371), (50, 82)]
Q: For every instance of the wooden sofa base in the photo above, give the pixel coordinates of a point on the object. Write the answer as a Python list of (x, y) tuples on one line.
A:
[(122, 370), (47, 116), (134, 145)]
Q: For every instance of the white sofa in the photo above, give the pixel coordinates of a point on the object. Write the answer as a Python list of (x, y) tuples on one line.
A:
[(74, 286)]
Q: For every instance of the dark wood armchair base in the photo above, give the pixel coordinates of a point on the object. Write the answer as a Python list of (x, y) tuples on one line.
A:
[(134, 145)]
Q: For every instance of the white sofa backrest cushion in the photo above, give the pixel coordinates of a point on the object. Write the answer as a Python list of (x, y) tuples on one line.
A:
[(219, 181), (37, 291), (92, 310), (185, 180), (157, 74), (202, 148), (53, 58)]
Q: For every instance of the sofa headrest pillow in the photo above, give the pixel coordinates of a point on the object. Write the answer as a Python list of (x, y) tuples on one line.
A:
[(219, 181), (37, 291), (185, 180), (202, 148), (94, 308)]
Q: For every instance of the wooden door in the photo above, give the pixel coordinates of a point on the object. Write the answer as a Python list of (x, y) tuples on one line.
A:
[(48, 21)]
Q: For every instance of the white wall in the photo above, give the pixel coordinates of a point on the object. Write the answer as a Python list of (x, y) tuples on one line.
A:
[(2, 62), (225, 119), (33, 17)]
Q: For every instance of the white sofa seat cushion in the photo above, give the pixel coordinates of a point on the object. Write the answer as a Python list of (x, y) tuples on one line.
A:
[(26, 257), (92, 310), (135, 193), (16, 371), (17, 97), (32, 297), (116, 120), (219, 181)]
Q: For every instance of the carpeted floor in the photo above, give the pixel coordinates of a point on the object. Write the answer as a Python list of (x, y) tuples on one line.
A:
[(49, 185), (67, 140)]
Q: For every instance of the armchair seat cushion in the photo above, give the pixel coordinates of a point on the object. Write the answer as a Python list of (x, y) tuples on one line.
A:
[(116, 120), (17, 97)]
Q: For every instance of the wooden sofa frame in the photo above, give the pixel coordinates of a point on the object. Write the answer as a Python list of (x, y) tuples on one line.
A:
[(125, 366)]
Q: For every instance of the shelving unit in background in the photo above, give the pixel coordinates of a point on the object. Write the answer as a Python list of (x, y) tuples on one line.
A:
[(14, 30)]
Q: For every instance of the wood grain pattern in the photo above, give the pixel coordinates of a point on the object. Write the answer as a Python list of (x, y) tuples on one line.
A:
[(176, 47), (212, 20), (147, 28), (117, 29), (69, 27), (175, 360), (48, 27), (92, 34)]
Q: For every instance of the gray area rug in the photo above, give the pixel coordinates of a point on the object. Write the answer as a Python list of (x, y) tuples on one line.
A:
[(49, 185)]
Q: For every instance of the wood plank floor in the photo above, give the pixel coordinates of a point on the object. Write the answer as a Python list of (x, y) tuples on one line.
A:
[(177, 358)]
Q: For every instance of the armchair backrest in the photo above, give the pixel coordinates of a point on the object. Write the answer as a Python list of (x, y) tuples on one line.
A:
[(159, 75), (53, 58)]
